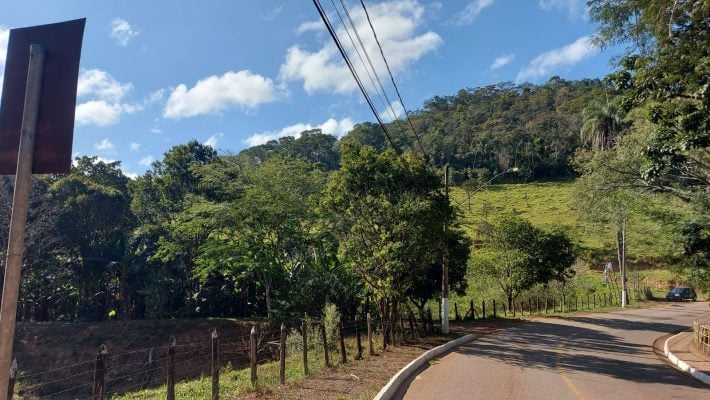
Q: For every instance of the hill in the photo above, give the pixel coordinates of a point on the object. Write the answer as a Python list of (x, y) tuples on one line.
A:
[(551, 205)]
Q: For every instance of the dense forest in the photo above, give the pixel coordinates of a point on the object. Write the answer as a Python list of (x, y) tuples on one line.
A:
[(281, 229)]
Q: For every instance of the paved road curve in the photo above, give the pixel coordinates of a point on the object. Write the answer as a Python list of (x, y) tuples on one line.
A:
[(582, 357)]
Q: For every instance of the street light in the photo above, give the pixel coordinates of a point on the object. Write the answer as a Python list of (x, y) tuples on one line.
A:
[(445, 262)]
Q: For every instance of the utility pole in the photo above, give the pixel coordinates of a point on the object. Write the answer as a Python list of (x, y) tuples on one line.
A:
[(624, 291), (445, 263)]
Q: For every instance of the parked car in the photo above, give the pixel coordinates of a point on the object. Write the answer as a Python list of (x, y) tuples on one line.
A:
[(681, 293)]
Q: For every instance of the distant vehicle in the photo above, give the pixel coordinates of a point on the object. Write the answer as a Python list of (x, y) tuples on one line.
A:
[(681, 293)]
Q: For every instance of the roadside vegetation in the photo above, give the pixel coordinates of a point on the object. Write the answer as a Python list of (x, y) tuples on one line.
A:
[(550, 183)]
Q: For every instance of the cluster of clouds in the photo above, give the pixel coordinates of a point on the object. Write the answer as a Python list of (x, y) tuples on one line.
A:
[(337, 128)]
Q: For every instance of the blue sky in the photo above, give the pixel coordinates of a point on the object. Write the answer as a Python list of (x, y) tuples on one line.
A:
[(235, 73)]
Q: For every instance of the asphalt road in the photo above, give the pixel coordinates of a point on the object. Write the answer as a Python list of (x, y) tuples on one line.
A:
[(581, 357)]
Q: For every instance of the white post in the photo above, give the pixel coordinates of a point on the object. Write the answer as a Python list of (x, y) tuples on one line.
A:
[(445, 264), (18, 220)]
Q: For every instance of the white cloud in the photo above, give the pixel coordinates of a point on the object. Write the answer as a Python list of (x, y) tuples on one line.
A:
[(135, 146), (105, 99), (502, 61), (98, 83), (122, 31), (105, 160), (331, 127), (105, 146), (550, 60), (131, 175), (471, 12), (155, 97), (394, 111), (212, 140), (217, 93), (315, 26), (155, 129), (396, 23), (273, 13), (575, 8), (146, 161), (97, 112)]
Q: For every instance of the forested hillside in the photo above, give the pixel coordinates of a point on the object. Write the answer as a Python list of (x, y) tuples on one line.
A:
[(535, 128)]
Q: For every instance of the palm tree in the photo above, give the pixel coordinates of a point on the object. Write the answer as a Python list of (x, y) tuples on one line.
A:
[(601, 125)]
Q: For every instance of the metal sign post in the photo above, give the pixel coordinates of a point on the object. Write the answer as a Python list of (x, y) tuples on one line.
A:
[(20, 204), (36, 131)]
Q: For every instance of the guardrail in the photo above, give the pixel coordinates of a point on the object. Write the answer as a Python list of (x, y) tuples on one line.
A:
[(701, 333)]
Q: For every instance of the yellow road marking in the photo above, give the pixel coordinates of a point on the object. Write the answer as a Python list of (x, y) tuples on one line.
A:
[(561, 371)]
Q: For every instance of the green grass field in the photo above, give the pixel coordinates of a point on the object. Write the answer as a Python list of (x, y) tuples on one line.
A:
[(551, 205)]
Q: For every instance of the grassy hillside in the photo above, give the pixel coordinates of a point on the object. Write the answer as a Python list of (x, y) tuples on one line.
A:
[(552, 205)]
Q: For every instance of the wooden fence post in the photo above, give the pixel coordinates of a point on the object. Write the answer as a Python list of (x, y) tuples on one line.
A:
[(304, 334), (369, 335), (215, 364), (171, 368), (594, 297), (359, 339), (100, 373), (13, 378), (252, 355), (282, 355), (495, 309), (512, 307), (325, 345), (456, 311), (473, 311), (343, 354)]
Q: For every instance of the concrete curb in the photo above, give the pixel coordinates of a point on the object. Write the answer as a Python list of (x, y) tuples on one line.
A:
[(390, 389), (701, 376)]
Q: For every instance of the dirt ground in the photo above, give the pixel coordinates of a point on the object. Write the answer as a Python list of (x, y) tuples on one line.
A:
[(363, 379)]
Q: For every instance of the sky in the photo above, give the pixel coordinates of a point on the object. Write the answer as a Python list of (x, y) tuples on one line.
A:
[(237, 73)]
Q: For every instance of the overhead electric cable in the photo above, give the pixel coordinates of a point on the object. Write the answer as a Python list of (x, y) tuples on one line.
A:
[(396, 88), (388, 104), (333, 35)]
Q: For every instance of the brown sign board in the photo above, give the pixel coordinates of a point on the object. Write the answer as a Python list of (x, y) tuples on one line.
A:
[(55, 127)]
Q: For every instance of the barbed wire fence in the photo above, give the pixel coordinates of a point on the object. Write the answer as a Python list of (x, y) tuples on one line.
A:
[(311, 345)]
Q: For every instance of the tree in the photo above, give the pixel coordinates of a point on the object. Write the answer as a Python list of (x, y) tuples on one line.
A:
[(94, 222), (665, 71), (265, 233), (157, 200), (602, 124), (523, 256), (388, 212)]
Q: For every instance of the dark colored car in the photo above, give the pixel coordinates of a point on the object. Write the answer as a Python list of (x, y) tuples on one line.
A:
[(681, 293)]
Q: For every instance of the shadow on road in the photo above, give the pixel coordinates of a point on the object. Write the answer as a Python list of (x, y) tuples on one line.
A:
[(552, 345)]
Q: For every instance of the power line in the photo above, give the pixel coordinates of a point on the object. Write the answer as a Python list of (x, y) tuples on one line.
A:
[(333, 35), (387, 103), (396, 88)]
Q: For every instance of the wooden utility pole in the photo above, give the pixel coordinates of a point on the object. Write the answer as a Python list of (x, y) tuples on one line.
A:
[(18, 220), (445, 263)]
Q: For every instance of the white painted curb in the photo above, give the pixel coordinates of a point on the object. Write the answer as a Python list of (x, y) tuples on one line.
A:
[(701, 376), (393, 385)]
